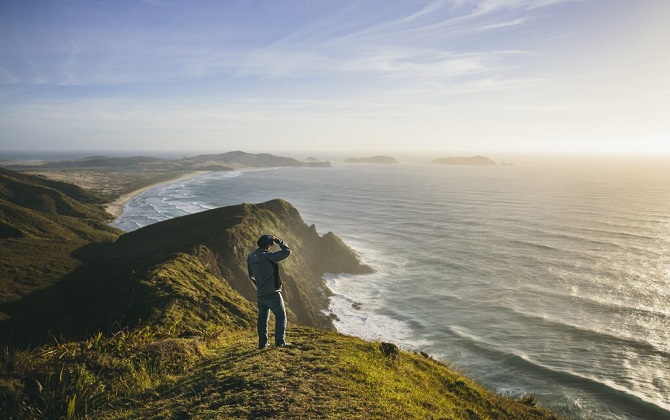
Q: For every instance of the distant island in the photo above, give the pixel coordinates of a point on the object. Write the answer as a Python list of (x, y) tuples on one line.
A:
[(461, 160), (374, 159)]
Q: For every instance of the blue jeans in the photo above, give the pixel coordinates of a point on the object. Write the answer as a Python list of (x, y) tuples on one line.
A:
[(274, 303)]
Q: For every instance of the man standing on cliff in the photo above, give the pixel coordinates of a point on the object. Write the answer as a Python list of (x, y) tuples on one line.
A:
[(264, 273)]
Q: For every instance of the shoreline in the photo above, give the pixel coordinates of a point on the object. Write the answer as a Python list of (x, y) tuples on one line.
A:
[(116, 207)]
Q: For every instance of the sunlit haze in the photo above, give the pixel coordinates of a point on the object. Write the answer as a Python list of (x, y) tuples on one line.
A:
[(467, 76)]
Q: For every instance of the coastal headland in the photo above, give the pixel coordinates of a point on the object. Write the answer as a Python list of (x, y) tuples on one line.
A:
[(101, 323), (117, 180)]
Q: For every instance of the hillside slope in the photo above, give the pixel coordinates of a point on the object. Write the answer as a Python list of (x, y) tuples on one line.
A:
[(324, 375), (231, 233), (42, 222), (113, 285), (159, 324), (152, 374), (49, 198), (32, 191)]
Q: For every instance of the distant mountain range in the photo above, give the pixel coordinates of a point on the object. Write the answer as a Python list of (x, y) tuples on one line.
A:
[(213, 162), (218, 162)]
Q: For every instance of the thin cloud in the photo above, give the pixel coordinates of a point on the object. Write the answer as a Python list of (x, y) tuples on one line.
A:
[(345, 67), (499, 25), (441, 17), (139, 57), (487, 6)]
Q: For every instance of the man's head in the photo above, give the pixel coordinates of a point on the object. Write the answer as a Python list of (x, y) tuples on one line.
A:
[(265, 241)]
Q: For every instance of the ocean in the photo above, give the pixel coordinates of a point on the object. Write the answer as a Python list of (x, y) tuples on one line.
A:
[(541, 278)]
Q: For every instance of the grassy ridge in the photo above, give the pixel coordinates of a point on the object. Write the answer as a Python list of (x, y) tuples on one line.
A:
[(180, 306), (325, 375), (42, 223), (49, 196), (151, 374), (189, 296), (159, 324), (108, 287), (231, 233)]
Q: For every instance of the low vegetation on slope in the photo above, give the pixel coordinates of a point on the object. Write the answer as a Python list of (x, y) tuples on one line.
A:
[(108, 183), (325, 375), (231, 233), (48, 196), (151, 374), (183, 306), (42, 223), (160, 323)]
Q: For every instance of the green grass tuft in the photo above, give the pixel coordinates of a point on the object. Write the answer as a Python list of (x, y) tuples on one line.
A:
[(76, 379), (324, 375)]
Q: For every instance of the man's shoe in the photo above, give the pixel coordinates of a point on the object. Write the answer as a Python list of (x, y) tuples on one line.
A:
[(284, 345), (263, 347)]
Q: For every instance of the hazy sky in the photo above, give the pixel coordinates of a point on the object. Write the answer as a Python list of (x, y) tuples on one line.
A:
[(472, 76)]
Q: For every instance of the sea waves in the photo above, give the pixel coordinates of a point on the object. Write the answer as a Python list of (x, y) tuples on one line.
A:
[(530, 279), (167, 201)]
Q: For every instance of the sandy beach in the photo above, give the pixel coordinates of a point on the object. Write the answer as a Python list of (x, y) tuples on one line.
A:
[(116, 208)]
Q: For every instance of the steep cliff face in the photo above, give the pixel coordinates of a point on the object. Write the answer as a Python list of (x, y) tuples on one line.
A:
[(231, 233)]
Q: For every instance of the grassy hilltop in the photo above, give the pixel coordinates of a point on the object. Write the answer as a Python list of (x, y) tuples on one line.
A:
[(159, 323), (42, 222)]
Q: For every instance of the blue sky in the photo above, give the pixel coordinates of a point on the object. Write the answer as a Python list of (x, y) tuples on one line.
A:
[(452, 76)]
